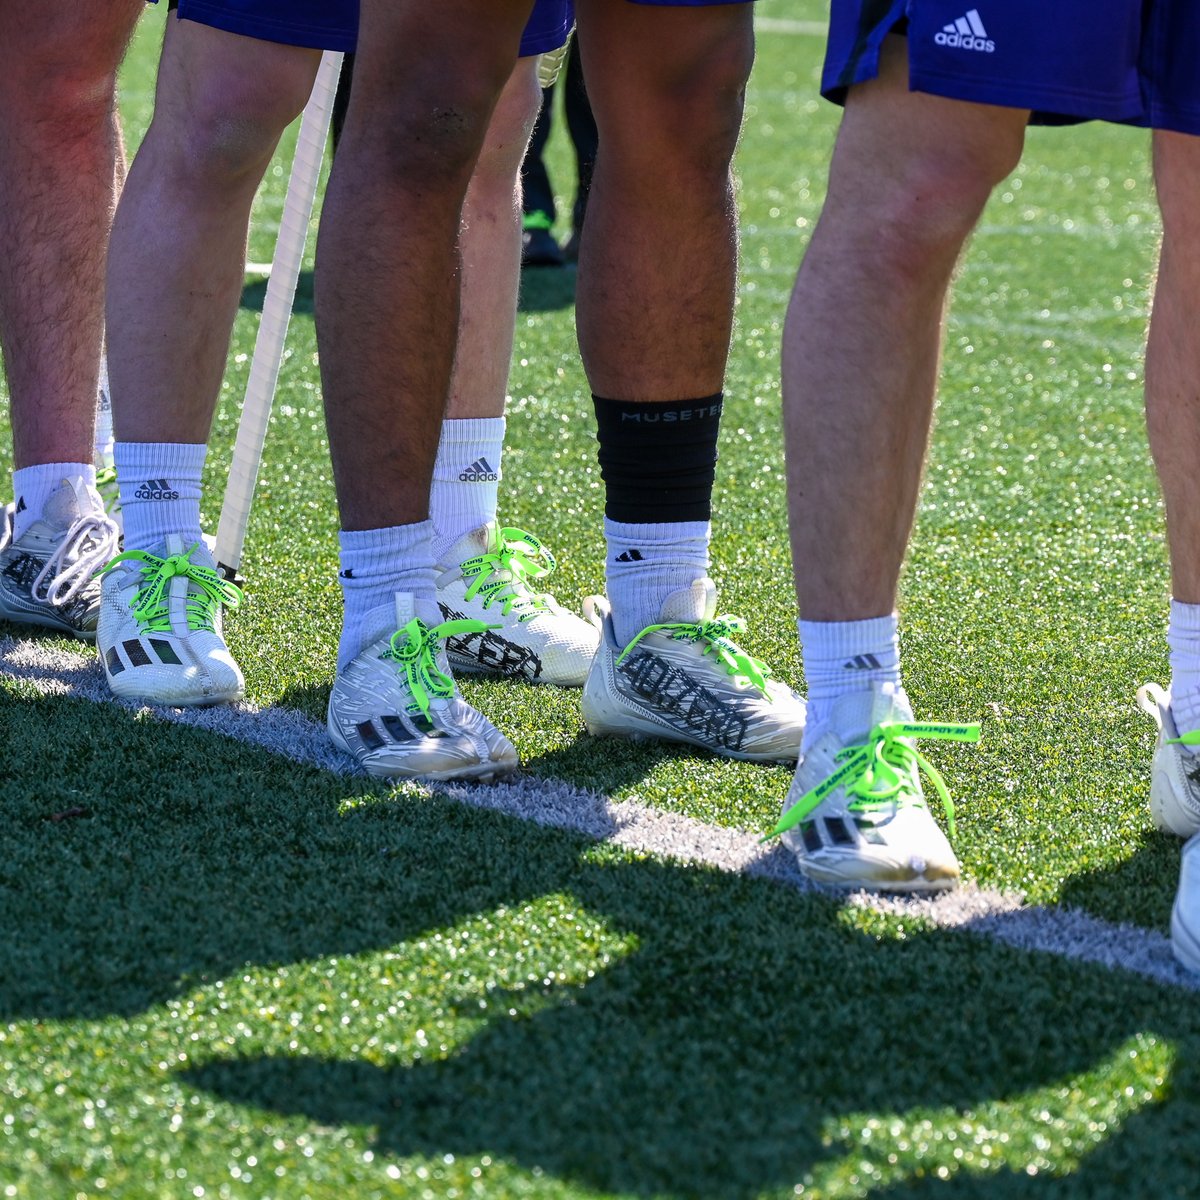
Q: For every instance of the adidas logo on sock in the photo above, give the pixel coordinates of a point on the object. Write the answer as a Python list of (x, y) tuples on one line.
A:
[(156, 489), (862, 662), (966, 33), (628, 556), (21, 505), (480, 471)]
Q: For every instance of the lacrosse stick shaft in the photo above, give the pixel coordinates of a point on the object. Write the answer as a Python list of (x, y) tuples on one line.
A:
[(276, 313)]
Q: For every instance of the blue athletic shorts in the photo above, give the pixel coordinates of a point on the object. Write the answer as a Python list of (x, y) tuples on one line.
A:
[(333, 24), (1136, 61)]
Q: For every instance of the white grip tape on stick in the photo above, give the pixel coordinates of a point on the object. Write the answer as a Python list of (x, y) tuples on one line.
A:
[(276, 314)]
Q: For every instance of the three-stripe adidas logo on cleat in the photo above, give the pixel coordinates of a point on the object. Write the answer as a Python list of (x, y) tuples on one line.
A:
[(139, 656), (966, 33), (480, 471)]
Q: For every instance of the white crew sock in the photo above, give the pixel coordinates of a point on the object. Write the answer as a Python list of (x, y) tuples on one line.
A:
[(1183, 639), (645, 564), (375, 565), (466, 479), (846, 656), (159, 485), (104, 419), (33, 486)]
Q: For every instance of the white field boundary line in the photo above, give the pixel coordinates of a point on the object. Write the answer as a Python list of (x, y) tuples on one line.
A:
[(1001, 916)]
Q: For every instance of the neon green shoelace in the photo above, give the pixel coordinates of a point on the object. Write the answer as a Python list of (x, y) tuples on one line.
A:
[(717, 641), (537, 220), (413, 648), (151, 605), (503, 577), (1191, 738), (884, 771)]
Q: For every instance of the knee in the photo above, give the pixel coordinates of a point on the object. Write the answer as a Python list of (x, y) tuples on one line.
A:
[(1177, 179), (684, 114), (511, 124), (921, 212), (223, 131), (428, 139)]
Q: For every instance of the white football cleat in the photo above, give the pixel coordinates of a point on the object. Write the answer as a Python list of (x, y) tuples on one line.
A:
[(855, 815), (160, 635), (1185, 915), (685, 680), (530, 636), (395, 708), (1174, 770), (48, 576)]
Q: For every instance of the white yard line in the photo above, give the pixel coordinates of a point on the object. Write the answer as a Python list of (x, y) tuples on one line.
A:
[(1001, 916)]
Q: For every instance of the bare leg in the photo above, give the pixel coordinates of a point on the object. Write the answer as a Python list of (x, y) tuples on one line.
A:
[(491, 253), (179, 240), (659, 255), (1173, 358), (58, 143), (387, 307), (909, 177)]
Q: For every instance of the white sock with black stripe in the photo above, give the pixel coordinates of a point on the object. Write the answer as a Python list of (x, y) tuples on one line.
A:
[(466, 480), (846, 656), (159, 484)]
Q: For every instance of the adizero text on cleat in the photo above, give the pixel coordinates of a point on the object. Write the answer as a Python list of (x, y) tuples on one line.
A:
[(48, 576), (530, 636), (686, 680), (160, 637), (1174, 770), (855, 815), (396, 710)]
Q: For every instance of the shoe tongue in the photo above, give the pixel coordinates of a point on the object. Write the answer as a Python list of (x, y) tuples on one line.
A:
[(68, 502), (690, 605), (408, 606), (485, 539), (856, 714)]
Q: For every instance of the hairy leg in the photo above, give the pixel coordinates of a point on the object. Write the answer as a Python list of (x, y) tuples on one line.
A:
[(424, 90), (909, 177), (1173, 358), (179, 239), (59, 145), (658, 257)]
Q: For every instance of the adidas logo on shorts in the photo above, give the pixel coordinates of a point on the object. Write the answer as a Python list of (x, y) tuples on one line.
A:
[(966, 33)]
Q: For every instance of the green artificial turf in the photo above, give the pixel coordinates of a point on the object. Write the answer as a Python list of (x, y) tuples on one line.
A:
[(227, 975)]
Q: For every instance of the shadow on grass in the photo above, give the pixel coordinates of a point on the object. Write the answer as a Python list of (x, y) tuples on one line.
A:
[(541, 291), (1132, 891), (254, 292), (714, 1059), (547, 289)]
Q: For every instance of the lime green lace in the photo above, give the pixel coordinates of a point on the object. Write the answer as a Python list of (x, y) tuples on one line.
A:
[(717, 641), (1191, 738), (884, 771), (106, 485), (151, 605), (413, 648), (503, 577), (537, 220)]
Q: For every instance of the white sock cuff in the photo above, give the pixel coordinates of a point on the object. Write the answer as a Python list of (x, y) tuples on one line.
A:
[(45, 477), (182, 460), (391, 541), (464, 439), (1184, 619), (845, 639)]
